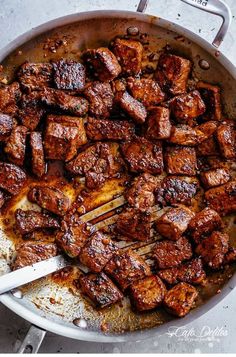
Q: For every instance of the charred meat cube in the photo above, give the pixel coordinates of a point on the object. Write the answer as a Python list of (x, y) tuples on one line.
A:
[(35, 76), (190, 272), (6, 126), (146, 91), (213, 249), (29, 221), (100, 97), (215, 177), (172, 73), (109, 129), (226, 137), (9, 96), (143, 156), (169, 254), (30, 112), (180, 160), (50, 198), (208, 147), (30, 253), (12, 178), (129, 54), (127, 267), (177, 189), (38, 161), (208, 128), (180, 299), (211, 97), (16, 144), (131, 107), (100, 289), (204, 223), (97, 252), (141, 193), (68, 75), (63, 136), (230, 256), (223, 198), (159, 125), (173, 223), (134, 224), (103, 62), (186, 135), (148, 293)]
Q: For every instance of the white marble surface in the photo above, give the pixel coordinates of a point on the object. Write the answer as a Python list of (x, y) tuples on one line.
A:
[(18, 16)]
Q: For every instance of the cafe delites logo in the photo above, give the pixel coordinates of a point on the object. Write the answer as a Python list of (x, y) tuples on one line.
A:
[(201, 2)]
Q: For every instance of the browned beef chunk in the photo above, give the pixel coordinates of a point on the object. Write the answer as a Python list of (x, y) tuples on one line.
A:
[(109, 129), (226, 137), (63, 136), (190, 272), (38, 161), (68, 75), (223, 198), (9, 96), (4, 196), (208, 147), (145, 90), (208, 128), (29, 221), (103, 63), (16, 144), (60, 100), (100, 289), (211, 97), (50, 198), (177, 189), (180, 160), (35, 76), (100, 97), (97, 252), (169, 254), (148, 293), (126, 268), (131, 107), (204, 223), (174, 222), (213, 249), (214, 177), (143, 156), (30, 253), (134, 224), (172, 73), (180, 299), (30, 112), (186, 135), (6, 126), (129, 54), (230, 256), (119, 85), (159, 125), (12, 178), (141, 193)]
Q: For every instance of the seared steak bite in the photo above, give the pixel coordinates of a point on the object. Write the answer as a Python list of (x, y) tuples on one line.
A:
[(30, 253), (6, 126), (180, 299), (159, 125), (223, 198), (38, 161), (213, 249), (35, 76), (29, 221), (180, 160), (173, 223), (109, 129), (129, 54), (186, 135), (215, 177), (131, 107), (211, 97), (203, 224), (230, 256), (169, 254), (12, 178), (190, 272), (172, 73), (100, 97), (208, 128), (134, 224), (97, 252), (148, 293), (208, 147), (68, 75), (9, 96), (16, 145), (50, 198), (100, 289), (127, 267), (226, 137), (103, 63), (145, 90), (143, 156), (30, 112)]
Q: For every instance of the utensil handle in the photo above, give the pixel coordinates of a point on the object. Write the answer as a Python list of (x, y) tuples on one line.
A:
[(32, 340)]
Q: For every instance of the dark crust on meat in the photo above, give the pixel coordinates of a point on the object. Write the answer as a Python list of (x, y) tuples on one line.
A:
[(146, 91), (100, 97), (186, 135), (69, 75), (226, 137), (223, 198), (35, 76), (180, 160), (16, 145), (6, 126), (159, 125), (12, 178), (9, 97), (38, 161), (211, 97), (129, 54), (131, 107), (187, 106), (215, 177)]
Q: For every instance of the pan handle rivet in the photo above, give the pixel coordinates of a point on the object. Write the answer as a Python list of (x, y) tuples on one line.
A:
[(203, 64), (132, 31)]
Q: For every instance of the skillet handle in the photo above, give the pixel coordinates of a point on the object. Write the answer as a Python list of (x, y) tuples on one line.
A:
[(32, 340)]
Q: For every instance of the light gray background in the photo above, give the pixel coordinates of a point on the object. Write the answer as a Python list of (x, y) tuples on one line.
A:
[(18, 16)]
